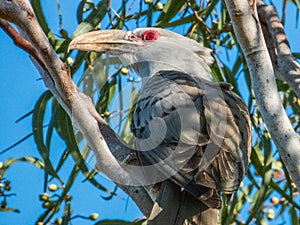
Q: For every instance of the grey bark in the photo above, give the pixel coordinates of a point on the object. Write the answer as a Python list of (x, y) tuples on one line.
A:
[(284, 63)]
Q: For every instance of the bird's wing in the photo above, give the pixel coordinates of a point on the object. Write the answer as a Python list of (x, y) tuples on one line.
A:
[(231, 164), (195, 133)]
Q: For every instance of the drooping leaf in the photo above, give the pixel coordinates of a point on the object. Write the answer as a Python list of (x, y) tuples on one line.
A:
[(36, 5), (38, 131), (29, 159), (8, 209), (65, 129), (171, 8), (92, 20)]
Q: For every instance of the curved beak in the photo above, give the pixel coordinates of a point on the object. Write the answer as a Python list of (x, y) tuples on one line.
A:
[(103, 41)]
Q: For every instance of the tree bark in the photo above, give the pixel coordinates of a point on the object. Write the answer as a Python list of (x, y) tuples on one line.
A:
[(250, 37), (284, 62)]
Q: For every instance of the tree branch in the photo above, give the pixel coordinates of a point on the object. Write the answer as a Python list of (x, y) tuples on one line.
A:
[(78, 106), (249, 35), (284, 62)]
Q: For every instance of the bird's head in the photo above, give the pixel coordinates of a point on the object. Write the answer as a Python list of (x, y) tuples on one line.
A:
[(149, 50)]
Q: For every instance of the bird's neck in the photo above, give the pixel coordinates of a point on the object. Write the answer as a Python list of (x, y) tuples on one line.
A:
[(149, 69)]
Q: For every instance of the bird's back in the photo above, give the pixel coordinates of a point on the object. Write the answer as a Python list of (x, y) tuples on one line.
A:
[(196, 133)]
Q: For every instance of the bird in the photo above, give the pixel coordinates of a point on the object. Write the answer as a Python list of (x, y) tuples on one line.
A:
[(192, 134)]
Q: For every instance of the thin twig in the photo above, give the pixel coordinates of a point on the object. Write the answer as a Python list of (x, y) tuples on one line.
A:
[(198, 18)]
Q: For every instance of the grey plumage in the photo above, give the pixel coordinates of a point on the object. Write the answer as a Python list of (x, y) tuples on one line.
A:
[(226, 162)]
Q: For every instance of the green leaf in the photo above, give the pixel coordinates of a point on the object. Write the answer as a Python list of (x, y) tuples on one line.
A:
[(297, 3), (268, 159), (107, 93), (120, 19), (61, 46), (36, 5), (126, 133), (67, 214), (38, 131), (178, 22), (230, 77), (62, 159), (65, 130), (79, 59), (171, 9), (113, 193), (29, 159), (83, 7), (294, 214), (217, 72), (92, 20), (283, 193), (52, 125), (205, 13), (80, 11), (7, 209)]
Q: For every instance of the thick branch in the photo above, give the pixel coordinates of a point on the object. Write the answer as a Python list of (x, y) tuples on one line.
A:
[(251, 40), (286, 64), (79, 107)]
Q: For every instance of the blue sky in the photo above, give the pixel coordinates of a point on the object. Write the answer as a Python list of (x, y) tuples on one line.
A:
[(19, 89)]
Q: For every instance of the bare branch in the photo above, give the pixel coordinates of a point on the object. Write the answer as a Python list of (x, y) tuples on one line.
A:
[(79, 107), (285, 63), (249, 34)]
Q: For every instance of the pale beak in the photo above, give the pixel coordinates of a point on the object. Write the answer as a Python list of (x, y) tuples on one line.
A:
[(103, 41)]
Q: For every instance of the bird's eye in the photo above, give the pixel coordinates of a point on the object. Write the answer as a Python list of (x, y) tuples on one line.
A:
[(150, 35)]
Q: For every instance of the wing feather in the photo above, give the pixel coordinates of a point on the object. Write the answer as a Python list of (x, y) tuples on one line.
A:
[(204, 133)]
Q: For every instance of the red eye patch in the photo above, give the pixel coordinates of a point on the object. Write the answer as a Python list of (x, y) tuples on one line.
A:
[(150, 35)]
